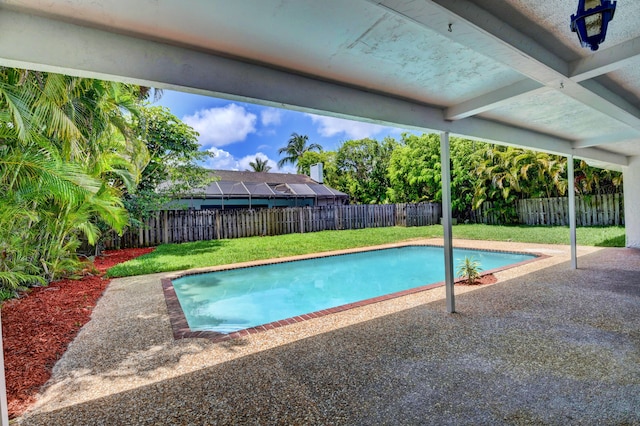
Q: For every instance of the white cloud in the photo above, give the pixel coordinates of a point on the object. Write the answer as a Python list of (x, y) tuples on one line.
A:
[(331, 126), (270, 117), (222, 126), (224, 160)]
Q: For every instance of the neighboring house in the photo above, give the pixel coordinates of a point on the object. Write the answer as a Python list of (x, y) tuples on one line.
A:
[(233, 190)]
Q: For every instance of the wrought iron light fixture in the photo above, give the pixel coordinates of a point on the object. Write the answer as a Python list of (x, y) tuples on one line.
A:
[(591, 21)]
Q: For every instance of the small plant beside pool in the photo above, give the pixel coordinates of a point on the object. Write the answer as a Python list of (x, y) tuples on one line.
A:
[(469, 268)]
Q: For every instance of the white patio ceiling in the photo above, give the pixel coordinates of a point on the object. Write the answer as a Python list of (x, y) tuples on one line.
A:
[(506, 71)]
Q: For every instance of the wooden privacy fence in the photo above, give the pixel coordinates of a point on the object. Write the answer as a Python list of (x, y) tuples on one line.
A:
[(176, 226), (592, 210)]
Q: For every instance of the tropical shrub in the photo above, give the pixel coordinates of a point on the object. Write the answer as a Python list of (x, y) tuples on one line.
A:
[(469, 268), (66, 154)]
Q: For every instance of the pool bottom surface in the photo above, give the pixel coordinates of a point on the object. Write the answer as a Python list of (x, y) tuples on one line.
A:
[(245, 300)]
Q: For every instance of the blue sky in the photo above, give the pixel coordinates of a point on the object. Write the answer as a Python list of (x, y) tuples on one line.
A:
[(237, 132)]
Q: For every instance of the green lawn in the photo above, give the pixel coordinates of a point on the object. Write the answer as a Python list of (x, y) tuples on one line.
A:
[(174, 257)]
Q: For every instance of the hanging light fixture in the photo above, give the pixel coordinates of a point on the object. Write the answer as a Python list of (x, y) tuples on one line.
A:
[(591, 21)]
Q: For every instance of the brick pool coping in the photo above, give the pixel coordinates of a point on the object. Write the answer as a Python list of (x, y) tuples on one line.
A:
[(181, 328)]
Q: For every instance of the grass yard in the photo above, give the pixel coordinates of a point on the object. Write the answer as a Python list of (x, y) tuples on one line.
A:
[(175, 257)]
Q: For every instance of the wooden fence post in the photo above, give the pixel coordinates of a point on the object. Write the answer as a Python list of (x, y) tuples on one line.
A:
[(218, 222), (165, 227)]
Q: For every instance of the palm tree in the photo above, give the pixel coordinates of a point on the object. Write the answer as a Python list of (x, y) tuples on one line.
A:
[(296, 147), (541, 174), (259, 165), (65, 155)]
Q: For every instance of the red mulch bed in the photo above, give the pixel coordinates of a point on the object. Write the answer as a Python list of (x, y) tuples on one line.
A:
[(38, 327), (484, 279)]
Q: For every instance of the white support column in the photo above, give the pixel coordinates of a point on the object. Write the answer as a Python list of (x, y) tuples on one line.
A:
[(4, 409), (446, 220), (631, 179), (572, 211)]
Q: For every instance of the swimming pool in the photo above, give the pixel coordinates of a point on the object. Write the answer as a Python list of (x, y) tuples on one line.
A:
[(237, 299)]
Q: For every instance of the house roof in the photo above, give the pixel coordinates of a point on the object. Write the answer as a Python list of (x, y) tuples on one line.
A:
[(267, 185), (235, 176)]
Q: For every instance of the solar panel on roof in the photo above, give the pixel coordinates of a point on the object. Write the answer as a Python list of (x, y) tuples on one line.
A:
[(213, 190), (232, 188), (226, 188), (301, 189), (258, 189), (281, 189), (239, 189), (320, 190)]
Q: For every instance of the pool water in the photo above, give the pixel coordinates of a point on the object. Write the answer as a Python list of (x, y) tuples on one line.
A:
[(236, 299)]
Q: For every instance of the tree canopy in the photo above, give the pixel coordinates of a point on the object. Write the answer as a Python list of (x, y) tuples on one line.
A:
[(361, 169), (409, 170), (174, 162)]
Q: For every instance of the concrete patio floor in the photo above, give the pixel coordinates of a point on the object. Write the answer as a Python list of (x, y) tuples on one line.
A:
[(544, 345)]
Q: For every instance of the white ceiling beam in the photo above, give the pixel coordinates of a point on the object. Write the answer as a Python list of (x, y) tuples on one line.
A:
[(26, 42), (605, 61), (483, 33), (477, 29), (502, 135), (591, 93), (438, 18), (604, 160), (608, 139), (492, 100)]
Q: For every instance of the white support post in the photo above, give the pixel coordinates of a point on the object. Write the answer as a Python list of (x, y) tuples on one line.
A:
[(4, 409), (572, 211), (446, 220), (631, 175)]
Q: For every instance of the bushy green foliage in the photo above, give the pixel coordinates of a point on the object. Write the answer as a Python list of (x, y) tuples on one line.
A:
[(505, 174), (414, 170), (173, 166), (328, 160), (465, 155), (409, 171), (590, 180), (362, 169), (70, 149), (509, 173), (65, 158)]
